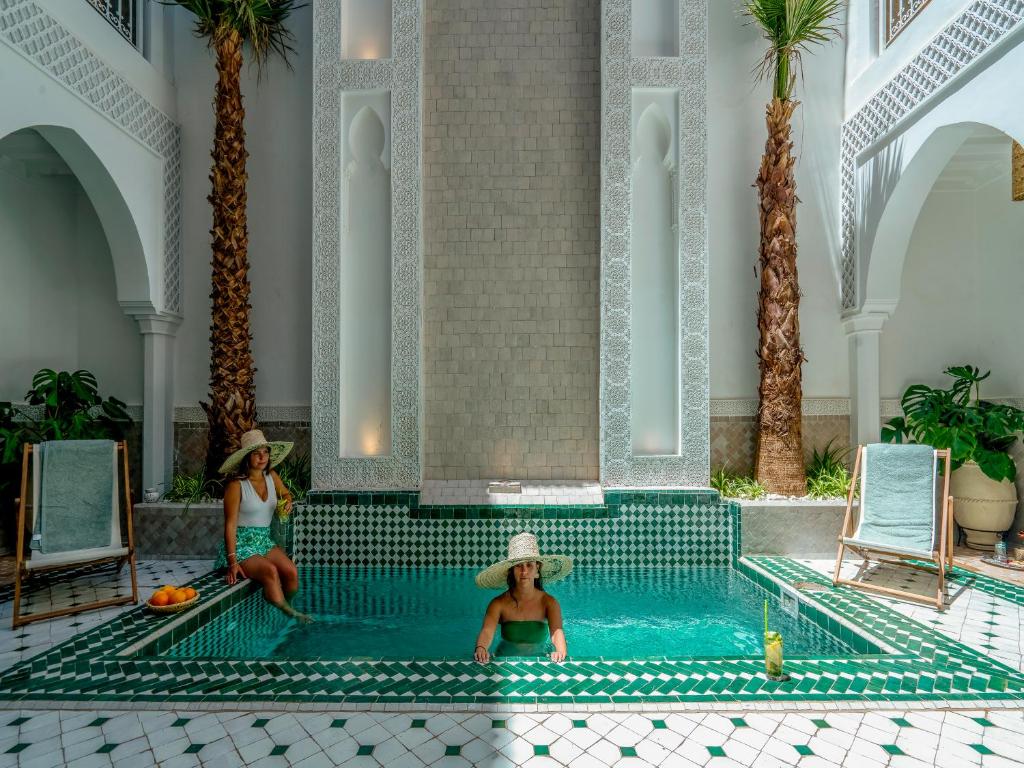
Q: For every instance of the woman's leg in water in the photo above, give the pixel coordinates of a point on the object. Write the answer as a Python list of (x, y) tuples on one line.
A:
[(264, 572), (286, 572)]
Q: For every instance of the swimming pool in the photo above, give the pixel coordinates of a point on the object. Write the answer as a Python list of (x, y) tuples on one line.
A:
[(404, 613)]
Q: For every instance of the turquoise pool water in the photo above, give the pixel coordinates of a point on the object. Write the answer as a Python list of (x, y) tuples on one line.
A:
[(436, 612)]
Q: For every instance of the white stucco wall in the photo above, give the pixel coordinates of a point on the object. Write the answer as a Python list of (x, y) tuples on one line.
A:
[(123, 175), (278, 137), (736, 132), (278, 128), (57, 294), (960, 298), (149, 74), (870, 64)]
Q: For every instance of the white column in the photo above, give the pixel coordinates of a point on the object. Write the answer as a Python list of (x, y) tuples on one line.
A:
[(158, 331), (863, 332)]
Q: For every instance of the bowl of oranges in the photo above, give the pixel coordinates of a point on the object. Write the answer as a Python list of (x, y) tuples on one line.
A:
[(171, 599)]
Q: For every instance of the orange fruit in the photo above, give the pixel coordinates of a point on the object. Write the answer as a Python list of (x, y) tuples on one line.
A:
[(179, 596), (167, 588), (190, 593), (159, 598)]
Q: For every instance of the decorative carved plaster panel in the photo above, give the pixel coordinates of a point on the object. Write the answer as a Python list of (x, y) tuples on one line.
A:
[(400, 75), (40, 38), (964, 40), (620, 73)]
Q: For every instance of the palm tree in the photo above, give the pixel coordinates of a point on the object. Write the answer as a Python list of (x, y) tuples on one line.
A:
[(228, 25), (790, 27)]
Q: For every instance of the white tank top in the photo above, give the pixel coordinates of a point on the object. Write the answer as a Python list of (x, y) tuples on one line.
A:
[(254, 511)]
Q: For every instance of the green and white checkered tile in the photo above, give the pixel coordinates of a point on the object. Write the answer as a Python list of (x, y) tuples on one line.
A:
[(959, 577), (654, 534), (910, 636), (926, 666)]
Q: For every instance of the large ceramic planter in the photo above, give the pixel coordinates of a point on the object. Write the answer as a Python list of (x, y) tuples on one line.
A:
[(984, 508)]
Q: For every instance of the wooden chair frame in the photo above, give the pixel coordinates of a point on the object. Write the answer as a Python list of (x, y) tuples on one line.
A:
[(23, 573), (942, 555)]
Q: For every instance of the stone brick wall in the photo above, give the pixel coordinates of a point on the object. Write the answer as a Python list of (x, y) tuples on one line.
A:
[(733, 439), (511, 257), (191, 440)]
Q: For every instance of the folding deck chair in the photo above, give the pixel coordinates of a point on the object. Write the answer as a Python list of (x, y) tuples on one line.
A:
[(65, 524), (901, 514)]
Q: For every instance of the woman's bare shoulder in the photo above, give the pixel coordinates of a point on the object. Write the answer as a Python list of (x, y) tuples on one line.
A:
[(232, 485)]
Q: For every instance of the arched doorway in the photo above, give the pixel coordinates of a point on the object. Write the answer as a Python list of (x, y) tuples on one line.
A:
[(79, 275), (942, 271)]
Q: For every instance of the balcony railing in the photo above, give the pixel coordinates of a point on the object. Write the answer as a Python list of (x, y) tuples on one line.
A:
[(124, 16), (899, 14)]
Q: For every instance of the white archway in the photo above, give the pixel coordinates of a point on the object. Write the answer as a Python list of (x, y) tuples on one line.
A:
[(893, 224), (892, 187), (131, 269), (123, 180), (137, 275)]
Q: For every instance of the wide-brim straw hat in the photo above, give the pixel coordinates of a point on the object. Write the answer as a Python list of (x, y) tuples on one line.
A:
[(523, 548), (252, 440)]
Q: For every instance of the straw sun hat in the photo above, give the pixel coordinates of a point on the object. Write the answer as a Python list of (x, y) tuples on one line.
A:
[(523, 548), (252, 440)]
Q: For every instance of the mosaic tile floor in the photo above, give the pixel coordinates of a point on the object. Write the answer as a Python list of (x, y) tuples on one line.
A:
[(580, 740), (982, 613)]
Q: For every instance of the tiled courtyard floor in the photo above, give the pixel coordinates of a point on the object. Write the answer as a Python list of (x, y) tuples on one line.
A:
[(748, 735)]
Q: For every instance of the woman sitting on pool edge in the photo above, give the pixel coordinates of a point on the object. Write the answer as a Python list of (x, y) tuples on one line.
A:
[(527, 614), (250, 499)]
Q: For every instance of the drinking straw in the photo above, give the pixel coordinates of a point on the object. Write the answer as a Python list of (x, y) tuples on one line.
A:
[(766, 617)]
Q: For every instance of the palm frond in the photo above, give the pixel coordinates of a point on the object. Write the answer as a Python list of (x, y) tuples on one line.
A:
[(261, 23), (791, 27)]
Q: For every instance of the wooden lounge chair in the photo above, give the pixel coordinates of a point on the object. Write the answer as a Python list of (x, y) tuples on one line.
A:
[(77, 534), (905, 513)]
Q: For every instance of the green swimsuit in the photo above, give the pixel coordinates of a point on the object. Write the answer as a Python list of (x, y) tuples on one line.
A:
[(523, 638)]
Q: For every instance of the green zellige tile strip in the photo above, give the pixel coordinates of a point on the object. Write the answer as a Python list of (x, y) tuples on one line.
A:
[(910, 636), (961, 577), (653, 529), (928, 666)]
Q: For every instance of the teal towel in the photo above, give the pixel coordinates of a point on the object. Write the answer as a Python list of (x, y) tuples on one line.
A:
[(897, 506), (76, 494)]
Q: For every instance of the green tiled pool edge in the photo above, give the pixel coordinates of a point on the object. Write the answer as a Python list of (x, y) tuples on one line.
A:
[(923, 665)]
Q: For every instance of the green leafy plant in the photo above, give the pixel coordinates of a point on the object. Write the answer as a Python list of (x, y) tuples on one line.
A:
[(71, 408), (736, 486), (296, 472), (192, 488), (827, 475), (972, 429)]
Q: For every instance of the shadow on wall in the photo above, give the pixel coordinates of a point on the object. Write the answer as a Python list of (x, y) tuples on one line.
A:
[(877, 185)]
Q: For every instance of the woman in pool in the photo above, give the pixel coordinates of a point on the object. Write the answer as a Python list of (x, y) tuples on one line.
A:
[(530, 618), (250, 499)]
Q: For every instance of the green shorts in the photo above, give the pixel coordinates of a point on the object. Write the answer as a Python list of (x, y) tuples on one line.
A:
[(249, 541)]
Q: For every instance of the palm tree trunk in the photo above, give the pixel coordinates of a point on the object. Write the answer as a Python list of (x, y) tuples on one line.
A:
[(232, 407), (779, 464)]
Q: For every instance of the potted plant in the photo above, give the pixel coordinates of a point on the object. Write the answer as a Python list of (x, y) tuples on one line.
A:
[(64, 406), (979, 435)]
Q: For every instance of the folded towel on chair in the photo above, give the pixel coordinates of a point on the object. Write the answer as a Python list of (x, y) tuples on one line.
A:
[(76, 494), (897, 505)]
